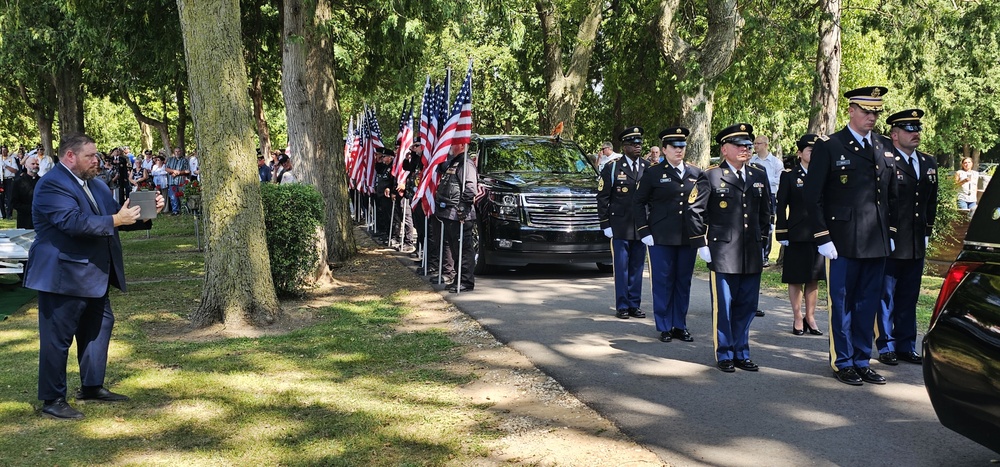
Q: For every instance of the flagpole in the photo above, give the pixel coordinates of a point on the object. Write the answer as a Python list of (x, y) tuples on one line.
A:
[(423, 252), (440, 250), (392, 220), (461, 227)]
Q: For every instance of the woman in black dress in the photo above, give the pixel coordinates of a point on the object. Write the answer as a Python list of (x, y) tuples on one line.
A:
[(803, 267)]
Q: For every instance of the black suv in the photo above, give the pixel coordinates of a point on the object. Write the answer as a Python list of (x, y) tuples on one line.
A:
[(962, 347), (537, 203)]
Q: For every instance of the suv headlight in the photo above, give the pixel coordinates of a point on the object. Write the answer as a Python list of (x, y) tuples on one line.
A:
[(505, 206)]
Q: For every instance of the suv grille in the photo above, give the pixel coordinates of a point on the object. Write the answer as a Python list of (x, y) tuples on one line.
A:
[(563, 212)]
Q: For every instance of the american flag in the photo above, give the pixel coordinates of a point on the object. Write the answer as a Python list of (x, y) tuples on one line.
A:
[(405, 139), (457, 129)]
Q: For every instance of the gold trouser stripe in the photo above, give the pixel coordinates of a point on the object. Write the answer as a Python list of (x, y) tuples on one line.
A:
[(715, 314), (829, 315)]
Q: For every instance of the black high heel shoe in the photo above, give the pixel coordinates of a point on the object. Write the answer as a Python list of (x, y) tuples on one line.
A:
[(812, 330), (799, 332)]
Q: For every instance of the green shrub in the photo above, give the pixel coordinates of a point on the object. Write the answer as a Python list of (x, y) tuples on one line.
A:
[(947, 211), (292, 212)]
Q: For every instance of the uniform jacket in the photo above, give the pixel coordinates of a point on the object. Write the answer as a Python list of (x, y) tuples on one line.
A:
[(851, 193), (916, 204), (793, 225), (732, 218), (453, 200), (661, 204), (615, 195), (76, 249)]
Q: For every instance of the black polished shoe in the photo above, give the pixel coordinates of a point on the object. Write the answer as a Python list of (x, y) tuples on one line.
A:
[(747, 365), (636, 313), (99, 394), (849, 376), (911, 357), (622, 314), (464, 288), (665, 336), (868, 375), (682, 334), (888, 358), (759, 313), (812, 330), (798, 332), (60, 410), (726, 365)]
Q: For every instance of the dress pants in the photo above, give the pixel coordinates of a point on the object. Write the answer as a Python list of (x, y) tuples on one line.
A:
[(734, 304), (629, 261), (855, 287), (897, 318), (61, 318), (670, 270)]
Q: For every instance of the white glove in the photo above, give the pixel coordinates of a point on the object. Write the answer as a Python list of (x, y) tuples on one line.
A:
[(892, 245), (783, 242), (705, 254), (828, 250), (607, 232), (927, 242), (648, 240)]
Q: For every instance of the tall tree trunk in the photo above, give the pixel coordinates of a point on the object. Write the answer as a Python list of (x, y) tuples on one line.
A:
[(565, 88), (712, 57), (238, 286), (145, 136), (161, 126), (263, 132), (69, 91), (181, 117), (315, 135), (826, 84), (42, 110)]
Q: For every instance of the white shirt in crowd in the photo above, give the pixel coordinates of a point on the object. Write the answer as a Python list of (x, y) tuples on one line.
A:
[(773, 166)]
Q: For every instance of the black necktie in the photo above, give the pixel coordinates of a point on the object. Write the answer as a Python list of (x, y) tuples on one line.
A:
[(679, 174), (865, 144), (913, 164), (739, 175)]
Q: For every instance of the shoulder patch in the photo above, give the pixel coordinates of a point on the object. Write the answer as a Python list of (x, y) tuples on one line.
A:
[(824, 137)]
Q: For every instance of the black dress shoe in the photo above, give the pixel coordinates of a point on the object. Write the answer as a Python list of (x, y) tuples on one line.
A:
[(911, 357), (726, 365), (59, 409), (99, 394), (888, 358), (622, 314), (464, 288), (665, 336), (636, 313), (849, 376), (682, 334), (759, 313), (812, 330), (798, 332), (747, 365), (868, 375)]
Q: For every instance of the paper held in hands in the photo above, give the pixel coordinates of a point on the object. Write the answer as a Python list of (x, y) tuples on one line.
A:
[(146, 200)]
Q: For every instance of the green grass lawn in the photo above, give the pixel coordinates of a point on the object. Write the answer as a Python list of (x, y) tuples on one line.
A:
[(347, 390)]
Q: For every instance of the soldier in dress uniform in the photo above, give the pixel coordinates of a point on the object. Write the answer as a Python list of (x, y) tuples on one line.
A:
[(730, 216), (850, 194), (661, 205), (615, 195), (916, 191), (803, 267)]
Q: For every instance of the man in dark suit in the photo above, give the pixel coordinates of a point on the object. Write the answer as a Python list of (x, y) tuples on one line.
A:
[(661, 204), (731, 217), (615, 209), (75, 258), (850, 191), (917, 189)]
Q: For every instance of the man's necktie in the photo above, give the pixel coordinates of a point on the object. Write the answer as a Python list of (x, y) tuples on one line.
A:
[(739, 175), (865, 144), (913, 164), (93, 202)]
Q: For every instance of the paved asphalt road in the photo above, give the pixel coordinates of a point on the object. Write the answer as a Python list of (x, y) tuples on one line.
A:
[(671, 398)]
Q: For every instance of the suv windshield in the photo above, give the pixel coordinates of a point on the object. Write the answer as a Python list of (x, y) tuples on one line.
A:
[(533, 155)]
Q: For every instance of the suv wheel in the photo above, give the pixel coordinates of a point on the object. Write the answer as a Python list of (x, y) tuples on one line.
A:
[(482, 267)]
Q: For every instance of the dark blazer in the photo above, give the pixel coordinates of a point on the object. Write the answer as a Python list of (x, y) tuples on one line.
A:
[(850, 193), (76, 250), (916, 205), (794, 225), (732, 218), (615, 193), (661, 204)]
